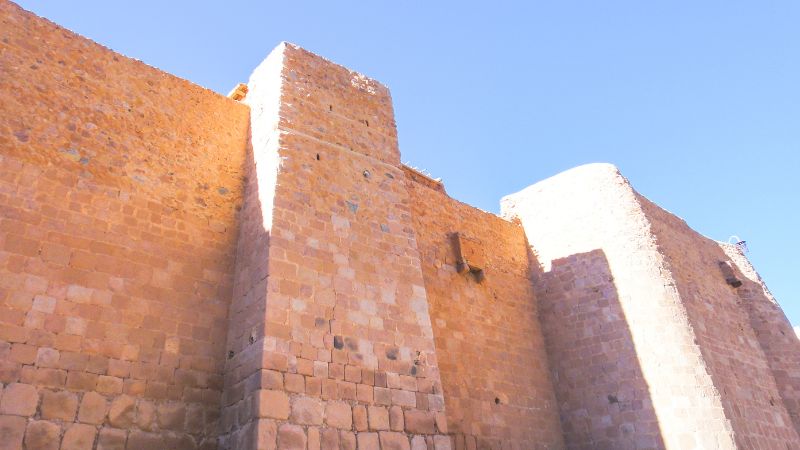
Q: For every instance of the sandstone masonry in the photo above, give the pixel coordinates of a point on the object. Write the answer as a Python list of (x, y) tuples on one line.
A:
[(182, 270)]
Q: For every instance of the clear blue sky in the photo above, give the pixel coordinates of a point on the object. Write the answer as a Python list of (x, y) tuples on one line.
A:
[(698, 103)]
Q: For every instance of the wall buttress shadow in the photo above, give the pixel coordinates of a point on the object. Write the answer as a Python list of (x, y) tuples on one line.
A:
[(604, 400)]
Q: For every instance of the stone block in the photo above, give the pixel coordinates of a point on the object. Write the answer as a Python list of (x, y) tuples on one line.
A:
[(112, 439), (396, 422), (42, 435), (307, 411), (394, 441), (419, 422), (12, 431), (378, 418), (360, 420), (19, 400), (78, 437), (368, 441), (291, 437), (59, 405), (273, 404), (122, 412), (338, 415)]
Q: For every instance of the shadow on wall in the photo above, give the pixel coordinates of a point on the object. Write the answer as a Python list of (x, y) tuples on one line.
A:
[(248, 307), (604, 400)]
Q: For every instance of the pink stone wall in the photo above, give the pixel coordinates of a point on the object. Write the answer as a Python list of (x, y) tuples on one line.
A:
[(722, 327), (489, 344), (621, 346), (773, 331)]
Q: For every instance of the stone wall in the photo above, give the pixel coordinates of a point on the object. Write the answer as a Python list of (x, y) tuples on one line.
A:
[(619, 340), (772, 330), (722, 329), (118, 191), (489, 345), (345, 356), (667, 354), (181, 270)]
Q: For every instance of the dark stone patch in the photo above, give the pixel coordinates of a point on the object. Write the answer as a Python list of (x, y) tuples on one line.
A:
[(391, 353), (338, 342), (21, 135)]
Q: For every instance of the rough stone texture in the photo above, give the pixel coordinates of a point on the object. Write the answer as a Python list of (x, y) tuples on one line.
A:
[(19, 399), (42, 435), (12, 432), (495, 374), (181, 270), (119, 185), (327, 253), (619, 275)]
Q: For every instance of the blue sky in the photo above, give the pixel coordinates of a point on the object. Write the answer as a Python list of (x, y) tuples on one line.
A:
[(698, 103)]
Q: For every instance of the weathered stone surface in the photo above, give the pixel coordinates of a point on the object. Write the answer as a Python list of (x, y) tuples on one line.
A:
[(42, 435), (378, 418), (59, 405), (111, 439), (78, 437), (273, 404), (12, 431), (394, 441), (307, 411), (419, 422), (19, 399), (396, 421), (188, 269), (122, 412), (339, 415), (368, 441), (93, 408), (291, 437)]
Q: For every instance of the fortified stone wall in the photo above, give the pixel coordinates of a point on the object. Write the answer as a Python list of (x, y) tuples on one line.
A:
[(735, 360), (181, 270), (773, 331), (635, 291), (489, 345), (622, 350), (118, 191), (346, 354)]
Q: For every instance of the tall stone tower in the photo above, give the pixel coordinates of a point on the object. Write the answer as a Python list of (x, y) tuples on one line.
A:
[(328, 275)]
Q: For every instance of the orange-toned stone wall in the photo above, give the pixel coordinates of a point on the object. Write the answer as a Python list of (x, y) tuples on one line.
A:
[(180, 270), (489, 345), (346, 355), (118, 192), (722, 327)]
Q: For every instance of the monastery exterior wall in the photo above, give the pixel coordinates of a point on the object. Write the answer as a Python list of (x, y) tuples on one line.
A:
[(489, 344), (346, 355), (626, 368), (182, 270), (773, 330), (118, 193), (722, 328)]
